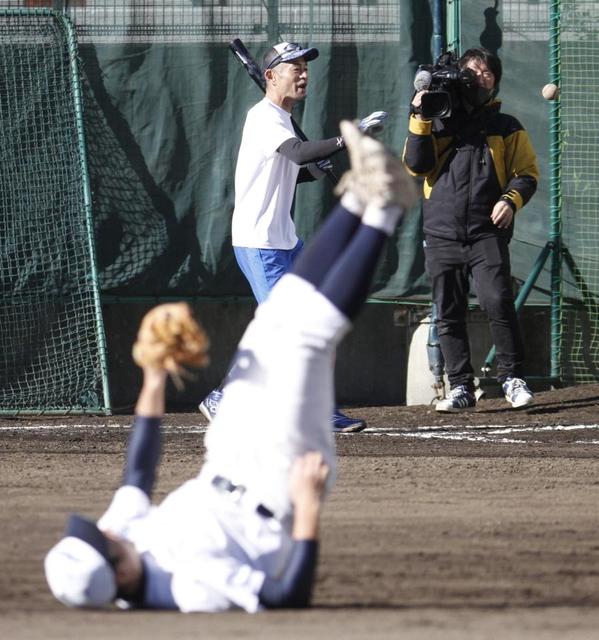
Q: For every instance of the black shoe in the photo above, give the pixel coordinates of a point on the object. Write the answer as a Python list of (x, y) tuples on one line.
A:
[(344, 424), (458, 399)]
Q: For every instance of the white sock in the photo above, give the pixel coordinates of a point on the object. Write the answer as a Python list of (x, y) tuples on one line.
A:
[(352, 203), (383, 218)]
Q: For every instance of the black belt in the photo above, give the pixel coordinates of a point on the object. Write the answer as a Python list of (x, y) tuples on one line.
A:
[(225, 485)]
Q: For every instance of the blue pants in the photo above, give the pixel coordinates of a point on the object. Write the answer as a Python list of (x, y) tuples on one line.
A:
[(264, 267)]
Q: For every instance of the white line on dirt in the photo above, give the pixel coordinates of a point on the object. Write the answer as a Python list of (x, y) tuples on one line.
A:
[(470, 433), (63, 427), (457, 436), (489, 428), (481, 433)]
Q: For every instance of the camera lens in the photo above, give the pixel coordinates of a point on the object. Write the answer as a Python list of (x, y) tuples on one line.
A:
[(435, 104)]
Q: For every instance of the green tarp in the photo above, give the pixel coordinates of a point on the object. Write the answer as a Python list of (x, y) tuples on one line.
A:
[(164, 119)]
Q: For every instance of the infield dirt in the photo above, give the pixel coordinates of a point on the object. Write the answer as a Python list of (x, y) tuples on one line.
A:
[(439, 526)]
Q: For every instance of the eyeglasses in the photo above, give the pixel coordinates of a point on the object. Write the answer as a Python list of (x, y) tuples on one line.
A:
[(290, 47)]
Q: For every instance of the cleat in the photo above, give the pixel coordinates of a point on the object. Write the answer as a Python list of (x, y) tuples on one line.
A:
[(517, 392), (377, 177), (209, 405), (459, 399), (341, 423)]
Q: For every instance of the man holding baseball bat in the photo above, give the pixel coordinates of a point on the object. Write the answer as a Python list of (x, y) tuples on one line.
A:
[(272, 160)]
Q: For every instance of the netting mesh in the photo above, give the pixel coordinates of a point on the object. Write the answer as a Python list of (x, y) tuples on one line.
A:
[(538, 42), (222, 20), (579, 111), (50, 329)]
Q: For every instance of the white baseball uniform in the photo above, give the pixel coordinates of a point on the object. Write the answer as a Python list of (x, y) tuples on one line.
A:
[(277, 406)]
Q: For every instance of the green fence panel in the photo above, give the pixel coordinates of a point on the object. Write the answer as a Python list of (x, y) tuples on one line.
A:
[(52, 352)]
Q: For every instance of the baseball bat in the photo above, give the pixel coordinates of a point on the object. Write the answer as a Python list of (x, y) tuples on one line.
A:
[(245, 57), (255, 72)]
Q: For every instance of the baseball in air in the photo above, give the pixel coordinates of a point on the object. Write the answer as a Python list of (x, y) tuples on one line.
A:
[(550, 91)]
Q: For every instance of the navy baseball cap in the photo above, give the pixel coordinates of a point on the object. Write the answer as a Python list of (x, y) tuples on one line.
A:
[(287, 52), (78, 569)]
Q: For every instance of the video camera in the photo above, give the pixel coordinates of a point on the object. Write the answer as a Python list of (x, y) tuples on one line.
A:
[(446, 84)]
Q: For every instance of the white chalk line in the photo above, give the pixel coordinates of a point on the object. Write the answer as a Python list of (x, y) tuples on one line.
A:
[(468, 433), (491, 432), (90, 427), (492, 428)]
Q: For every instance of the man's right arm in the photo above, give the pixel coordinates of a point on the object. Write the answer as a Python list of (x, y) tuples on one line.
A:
[(294, 588), (419, 153)]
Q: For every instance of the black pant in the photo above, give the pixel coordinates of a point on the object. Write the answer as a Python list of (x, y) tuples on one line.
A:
[(449, 265)]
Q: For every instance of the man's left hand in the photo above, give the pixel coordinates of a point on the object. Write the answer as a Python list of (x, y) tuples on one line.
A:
[(373, 123), (502, 215)]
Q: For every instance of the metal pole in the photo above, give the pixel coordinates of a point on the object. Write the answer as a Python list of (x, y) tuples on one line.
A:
[(438, 29), (272, 9), (454, 30), (436, 362), (555, 197), (87, 200)]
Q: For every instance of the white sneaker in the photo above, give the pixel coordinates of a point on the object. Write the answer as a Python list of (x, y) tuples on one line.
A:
[(377, 177), (517, 393)]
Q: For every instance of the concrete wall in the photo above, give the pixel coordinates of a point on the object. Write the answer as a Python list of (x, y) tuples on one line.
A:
[(371, 365)]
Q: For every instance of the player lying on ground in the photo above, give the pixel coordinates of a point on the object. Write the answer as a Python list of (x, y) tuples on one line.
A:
[(244, 532)]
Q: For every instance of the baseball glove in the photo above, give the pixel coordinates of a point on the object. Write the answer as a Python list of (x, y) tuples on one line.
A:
[(170, 338)]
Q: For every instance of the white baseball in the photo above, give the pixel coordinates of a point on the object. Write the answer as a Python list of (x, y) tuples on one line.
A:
[(550, 91)]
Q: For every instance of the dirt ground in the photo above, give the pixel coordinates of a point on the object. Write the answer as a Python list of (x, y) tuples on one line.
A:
[(478, 525)]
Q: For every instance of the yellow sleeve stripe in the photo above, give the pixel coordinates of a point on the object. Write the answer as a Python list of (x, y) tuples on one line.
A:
[(420, 127), (515, 197)]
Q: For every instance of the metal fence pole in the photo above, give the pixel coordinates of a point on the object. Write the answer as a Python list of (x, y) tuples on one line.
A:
[(439, 42), (272, 9), (454, 30), (555, 193)]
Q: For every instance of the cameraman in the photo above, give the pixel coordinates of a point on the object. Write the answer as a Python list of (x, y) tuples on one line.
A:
[(479, 169)]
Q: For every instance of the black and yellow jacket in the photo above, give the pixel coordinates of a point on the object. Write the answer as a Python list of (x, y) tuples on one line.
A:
[(469, 163)]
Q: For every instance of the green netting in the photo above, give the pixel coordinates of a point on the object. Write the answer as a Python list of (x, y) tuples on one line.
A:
[(538, 42), (51, 340), (579, 117), (223, 20)]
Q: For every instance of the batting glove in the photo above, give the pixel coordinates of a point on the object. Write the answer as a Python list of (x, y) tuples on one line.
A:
[(319, 169), (373, 123)]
